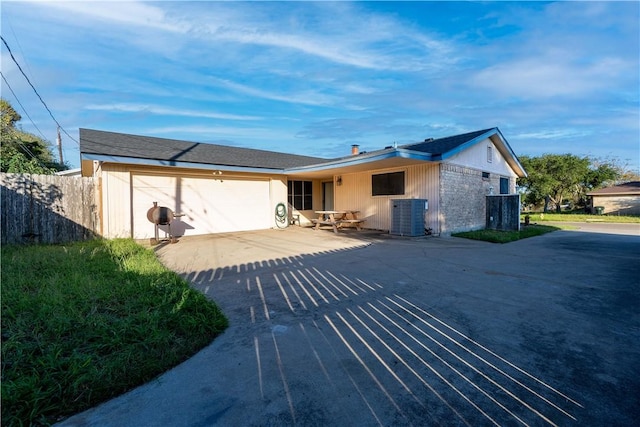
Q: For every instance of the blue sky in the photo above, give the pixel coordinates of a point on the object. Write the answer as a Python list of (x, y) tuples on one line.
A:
[(313, 78)]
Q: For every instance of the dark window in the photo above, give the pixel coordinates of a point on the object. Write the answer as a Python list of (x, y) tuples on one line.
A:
[(504, 185), (387, 184), (485, 175), (300, 194)]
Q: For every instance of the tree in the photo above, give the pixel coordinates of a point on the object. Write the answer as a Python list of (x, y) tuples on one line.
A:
[(22, 152), (557, 177)]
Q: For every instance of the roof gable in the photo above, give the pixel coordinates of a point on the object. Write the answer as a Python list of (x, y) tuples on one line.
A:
[(441, 146), (111, 144)]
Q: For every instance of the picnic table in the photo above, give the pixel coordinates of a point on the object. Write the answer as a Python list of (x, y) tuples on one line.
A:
[(337, 219)]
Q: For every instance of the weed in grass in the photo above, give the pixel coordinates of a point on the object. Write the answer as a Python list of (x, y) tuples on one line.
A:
[(82, 323)]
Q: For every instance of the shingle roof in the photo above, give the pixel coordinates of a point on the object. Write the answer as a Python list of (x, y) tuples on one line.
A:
[(436, 147), (442, 145), (629, 188), (111, 146), (144, 147)]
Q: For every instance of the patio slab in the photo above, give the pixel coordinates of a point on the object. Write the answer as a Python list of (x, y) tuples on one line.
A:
[(365, 329)]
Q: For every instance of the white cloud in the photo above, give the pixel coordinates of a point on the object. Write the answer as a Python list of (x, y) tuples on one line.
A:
[(132, 14), (567, 50), (552, 134), (306, 45), (344, 34), (158, 110), (558, 71), (306, 97)]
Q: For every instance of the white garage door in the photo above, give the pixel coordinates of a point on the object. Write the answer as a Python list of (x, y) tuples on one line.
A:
[(209, 205)]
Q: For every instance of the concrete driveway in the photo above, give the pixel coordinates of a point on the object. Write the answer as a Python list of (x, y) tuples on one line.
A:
[(364, 329)]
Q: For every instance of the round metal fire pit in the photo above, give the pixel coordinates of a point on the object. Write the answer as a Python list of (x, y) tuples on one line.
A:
[(161, 215)]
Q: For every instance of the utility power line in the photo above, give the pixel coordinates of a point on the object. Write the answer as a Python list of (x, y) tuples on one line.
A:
[(36, 92), (22, 106)]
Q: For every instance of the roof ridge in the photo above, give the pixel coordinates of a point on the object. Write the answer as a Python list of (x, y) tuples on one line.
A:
[(115, 144), (428, 140)]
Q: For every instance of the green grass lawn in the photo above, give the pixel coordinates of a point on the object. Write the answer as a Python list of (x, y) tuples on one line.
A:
[(85, 322), (496, 236), (578, 217)]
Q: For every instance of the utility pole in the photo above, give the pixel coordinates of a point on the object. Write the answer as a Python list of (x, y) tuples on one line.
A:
[(59, 144)]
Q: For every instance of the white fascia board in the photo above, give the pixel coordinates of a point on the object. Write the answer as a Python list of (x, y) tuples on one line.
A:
[(512, 159), (359, 159), (173, 163), (503, 146)]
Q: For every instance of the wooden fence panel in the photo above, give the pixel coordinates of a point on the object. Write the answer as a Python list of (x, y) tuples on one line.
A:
[(48, 208), (503, 212)]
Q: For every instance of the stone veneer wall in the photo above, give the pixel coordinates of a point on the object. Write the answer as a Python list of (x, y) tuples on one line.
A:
[(463, 194)]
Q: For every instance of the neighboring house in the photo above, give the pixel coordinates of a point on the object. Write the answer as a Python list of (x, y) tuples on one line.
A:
[(220, 188), (623, 199)]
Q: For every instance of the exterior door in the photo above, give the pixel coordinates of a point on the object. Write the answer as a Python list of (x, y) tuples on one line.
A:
[(504, 185), (327, 196)]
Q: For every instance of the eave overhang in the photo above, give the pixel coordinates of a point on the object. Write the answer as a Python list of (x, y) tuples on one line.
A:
[(388, 158), (178, 164), (376, 160)]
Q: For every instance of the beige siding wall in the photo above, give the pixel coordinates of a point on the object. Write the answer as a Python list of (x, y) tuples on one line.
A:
[(116, 199), (618, 205), (421, 182), (117, 193)]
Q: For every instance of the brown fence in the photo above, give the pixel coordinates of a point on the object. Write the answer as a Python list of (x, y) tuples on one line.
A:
[(48, 208)]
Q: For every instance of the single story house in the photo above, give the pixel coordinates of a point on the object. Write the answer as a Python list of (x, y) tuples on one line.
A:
[(623, 199), (218, 188)]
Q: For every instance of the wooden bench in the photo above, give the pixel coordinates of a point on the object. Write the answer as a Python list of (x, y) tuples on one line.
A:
[(323, 222), (338, 223), (337, 219), (318, 223), (356, 222)]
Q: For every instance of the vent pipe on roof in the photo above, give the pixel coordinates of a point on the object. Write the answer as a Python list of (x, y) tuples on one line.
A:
[(428, 139), (355, 149)]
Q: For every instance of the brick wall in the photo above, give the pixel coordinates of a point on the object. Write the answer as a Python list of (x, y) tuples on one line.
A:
[(463, 194)]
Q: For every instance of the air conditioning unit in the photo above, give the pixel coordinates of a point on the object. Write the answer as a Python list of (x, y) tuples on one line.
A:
[(407, 217)]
